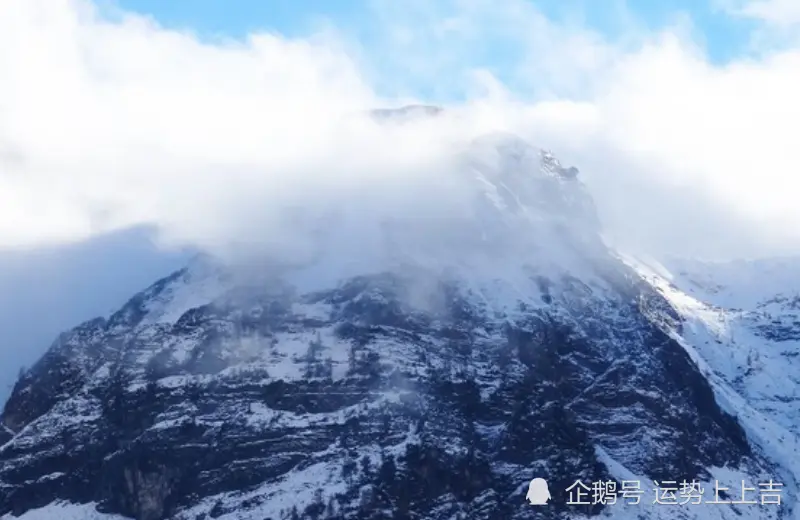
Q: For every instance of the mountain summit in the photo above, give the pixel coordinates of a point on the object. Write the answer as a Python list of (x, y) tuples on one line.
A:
[(406, 112), (433, 374)]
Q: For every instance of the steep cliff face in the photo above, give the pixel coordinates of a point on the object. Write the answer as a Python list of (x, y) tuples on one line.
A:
[(435, 384)]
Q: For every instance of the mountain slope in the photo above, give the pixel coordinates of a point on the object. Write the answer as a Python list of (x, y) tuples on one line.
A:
[(742, 326), (430, 377)]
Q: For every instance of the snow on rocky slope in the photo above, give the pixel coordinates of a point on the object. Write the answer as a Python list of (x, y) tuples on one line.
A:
[(741, 323), (420, 378)]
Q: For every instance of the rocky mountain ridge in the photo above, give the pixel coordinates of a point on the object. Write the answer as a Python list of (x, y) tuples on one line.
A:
[(436, 387)]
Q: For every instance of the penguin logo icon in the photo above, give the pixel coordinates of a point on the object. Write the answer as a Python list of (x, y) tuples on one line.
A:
[(538, 492)]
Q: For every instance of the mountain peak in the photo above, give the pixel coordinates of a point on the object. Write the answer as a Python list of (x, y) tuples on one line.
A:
[(405, 113), (420, 364)]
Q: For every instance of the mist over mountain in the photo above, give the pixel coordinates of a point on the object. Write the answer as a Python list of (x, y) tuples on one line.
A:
[(47, 291), (420, 365)]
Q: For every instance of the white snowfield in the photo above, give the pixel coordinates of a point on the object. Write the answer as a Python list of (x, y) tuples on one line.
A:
[(63, 511)]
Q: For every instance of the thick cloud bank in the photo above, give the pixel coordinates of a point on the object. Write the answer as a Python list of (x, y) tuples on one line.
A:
[(109, 121)]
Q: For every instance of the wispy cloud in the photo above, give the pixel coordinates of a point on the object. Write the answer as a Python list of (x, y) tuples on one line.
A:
[(774, 12)]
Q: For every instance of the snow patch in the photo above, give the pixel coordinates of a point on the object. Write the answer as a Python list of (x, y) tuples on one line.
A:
[(65, 511)]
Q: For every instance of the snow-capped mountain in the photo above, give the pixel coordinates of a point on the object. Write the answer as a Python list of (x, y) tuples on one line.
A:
[(431, 374)]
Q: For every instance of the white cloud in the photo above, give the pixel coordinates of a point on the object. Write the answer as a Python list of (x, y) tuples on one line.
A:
[(783, 13), (723, 134), (105, 125), (112, 125)]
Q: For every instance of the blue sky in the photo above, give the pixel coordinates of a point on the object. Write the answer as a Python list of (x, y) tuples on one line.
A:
[(723, 36), (392, 67)]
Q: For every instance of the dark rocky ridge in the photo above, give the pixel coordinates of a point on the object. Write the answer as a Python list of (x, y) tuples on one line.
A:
[(552, 389)]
